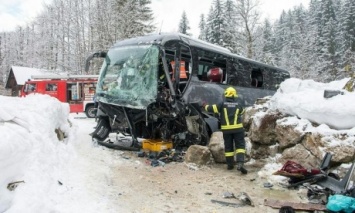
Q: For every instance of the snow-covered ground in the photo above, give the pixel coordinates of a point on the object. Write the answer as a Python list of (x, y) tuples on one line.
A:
[(53, 175)]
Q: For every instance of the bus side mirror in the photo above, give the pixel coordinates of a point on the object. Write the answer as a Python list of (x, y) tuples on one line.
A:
[(100, 54)]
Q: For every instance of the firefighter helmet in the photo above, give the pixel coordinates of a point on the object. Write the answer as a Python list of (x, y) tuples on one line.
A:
[(230, 92)]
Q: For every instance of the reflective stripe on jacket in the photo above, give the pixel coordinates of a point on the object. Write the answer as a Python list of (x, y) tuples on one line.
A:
[(230, 112)]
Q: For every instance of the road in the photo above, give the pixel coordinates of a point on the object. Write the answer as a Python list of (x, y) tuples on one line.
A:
[(106, 180)]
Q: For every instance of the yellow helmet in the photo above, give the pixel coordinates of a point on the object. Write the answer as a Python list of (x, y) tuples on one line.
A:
[(230, 92)]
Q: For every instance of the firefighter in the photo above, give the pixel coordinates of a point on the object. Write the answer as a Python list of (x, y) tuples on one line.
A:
[(230, 112)]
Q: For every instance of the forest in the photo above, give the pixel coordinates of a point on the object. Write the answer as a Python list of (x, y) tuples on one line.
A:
[(315, 41)]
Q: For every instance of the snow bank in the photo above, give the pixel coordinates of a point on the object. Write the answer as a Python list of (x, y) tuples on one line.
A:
[(29, 147), (304, 99)]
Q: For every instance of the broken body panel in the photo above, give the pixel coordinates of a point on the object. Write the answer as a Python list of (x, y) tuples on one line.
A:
[(142, 91)]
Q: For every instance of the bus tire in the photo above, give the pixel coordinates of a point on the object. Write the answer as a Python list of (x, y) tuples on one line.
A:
[(90, 111)]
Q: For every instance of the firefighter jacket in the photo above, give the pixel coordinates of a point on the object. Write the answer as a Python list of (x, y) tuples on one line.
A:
[(230, 114)]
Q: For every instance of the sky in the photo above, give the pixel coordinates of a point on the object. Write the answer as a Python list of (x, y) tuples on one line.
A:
[(167, 12), (55, 176)]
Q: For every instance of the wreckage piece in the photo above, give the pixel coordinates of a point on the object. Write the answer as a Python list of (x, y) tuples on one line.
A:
[(335, 185), (299, 175), (231, 204), (243, 200), (295, 205), (13, 185), (116, 145), (329, 181), (243, 196)]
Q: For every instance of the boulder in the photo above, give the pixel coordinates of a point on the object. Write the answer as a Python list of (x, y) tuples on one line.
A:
[(342, 154), (262, 129), (301, 155), (261, 151), (199, 155), (288, 133), (314, 144), (216, 147), (251, 111)]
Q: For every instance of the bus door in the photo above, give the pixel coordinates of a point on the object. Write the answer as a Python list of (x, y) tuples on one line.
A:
[(181, 66)]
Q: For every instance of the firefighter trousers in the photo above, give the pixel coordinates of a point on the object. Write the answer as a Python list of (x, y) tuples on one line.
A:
[(234, 143)]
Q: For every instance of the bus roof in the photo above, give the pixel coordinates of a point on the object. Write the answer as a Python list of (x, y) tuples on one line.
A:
[(163, 38)]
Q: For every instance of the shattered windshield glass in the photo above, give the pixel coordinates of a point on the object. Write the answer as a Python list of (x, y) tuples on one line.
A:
[(128, 76)]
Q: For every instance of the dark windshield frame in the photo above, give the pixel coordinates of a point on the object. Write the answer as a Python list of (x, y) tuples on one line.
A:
[(128, 76)]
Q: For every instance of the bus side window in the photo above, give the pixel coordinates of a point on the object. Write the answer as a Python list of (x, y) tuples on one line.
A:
[(215, 75), (256, 78)]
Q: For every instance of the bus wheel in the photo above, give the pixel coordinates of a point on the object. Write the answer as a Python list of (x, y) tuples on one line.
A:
[(90, 111)]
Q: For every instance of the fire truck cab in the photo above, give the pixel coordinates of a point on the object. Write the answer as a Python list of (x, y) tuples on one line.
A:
[(76, 90)]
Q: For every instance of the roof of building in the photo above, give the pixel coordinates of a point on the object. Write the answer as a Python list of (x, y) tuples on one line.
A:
[(22, 74)]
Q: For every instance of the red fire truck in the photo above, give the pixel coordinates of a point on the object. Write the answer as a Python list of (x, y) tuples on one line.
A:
[(76, 90)]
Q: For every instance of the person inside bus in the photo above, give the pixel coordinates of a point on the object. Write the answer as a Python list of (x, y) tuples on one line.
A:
[(215, 74), (231, 111), (183, 72)]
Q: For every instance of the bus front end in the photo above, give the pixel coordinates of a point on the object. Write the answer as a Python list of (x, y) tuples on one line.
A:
[(136, 97)]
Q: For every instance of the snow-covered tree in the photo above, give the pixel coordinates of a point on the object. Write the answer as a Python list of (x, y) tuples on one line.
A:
[(216, 23), (202, 27), (231, 25), (249, 14), (184, 25), (347, 38), (134, 17)]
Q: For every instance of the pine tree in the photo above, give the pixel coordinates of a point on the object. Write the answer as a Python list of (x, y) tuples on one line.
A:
[(327, 42), (264, 45), (229, 37), (202, 27), (184, 25), (134, 18), (216, 23), (347, 39), (208, 26)]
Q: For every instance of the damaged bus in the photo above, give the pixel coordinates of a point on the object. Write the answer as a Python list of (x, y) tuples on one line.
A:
[(152, 87)]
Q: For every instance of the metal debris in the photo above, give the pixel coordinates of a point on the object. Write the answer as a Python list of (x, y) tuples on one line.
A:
[(245, 198), (228, 195), (227, 203), (12, 186), (297, 206)]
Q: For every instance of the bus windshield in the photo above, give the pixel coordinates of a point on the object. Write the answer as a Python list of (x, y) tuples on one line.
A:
[(128, 76)]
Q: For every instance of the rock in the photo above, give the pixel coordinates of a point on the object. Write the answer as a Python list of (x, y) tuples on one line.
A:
[(300, 155), (248, 117), (251, 111), (262, 129), (199, 155), (261, 151), (60, 134), (313, 142), (344, 154), (216, 147), (287, 133)]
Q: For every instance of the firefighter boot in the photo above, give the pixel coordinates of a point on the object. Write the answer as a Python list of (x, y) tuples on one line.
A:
[(230, 163), (241, 168), (240, 163)]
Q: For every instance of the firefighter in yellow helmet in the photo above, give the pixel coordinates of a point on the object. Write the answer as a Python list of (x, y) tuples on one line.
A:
[(230, 112)]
